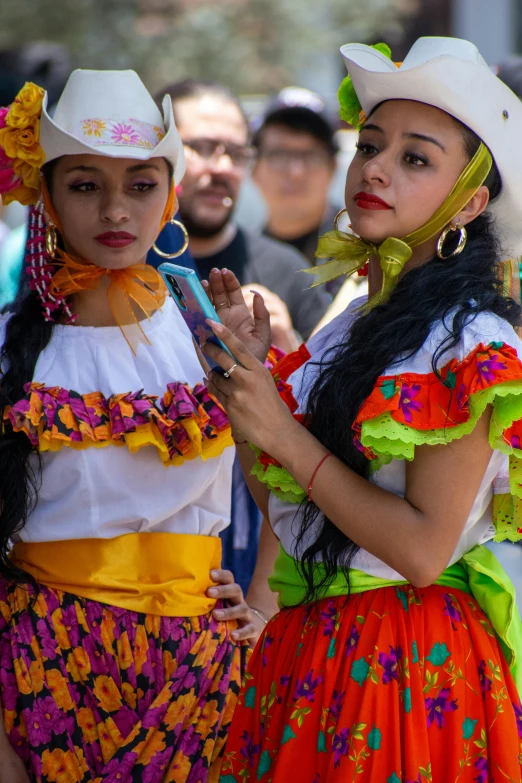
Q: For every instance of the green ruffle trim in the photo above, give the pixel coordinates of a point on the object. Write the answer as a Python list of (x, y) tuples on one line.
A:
[(507, 516), (278, 480), (389, 439)]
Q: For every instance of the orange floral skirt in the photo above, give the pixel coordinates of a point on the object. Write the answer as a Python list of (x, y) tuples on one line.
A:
[(395, 685), (96, 694)]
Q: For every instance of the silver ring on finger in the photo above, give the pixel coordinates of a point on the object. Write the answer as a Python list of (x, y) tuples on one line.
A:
[(228, 373), (220, 306)]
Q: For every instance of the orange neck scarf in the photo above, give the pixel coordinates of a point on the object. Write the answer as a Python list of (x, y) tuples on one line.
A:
[(136, 290)]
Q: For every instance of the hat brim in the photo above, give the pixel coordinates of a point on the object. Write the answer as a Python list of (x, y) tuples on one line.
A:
[(470, 93), (57, 141)]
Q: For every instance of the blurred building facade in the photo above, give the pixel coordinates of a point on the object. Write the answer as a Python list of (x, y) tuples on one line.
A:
[(495, 26)]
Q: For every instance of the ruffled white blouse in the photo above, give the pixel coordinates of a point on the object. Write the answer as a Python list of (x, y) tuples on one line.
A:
[(111, 491)]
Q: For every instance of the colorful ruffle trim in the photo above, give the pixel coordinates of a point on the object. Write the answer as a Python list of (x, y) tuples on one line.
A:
[(409, 410), (274, 356), (188, 423), (266, 469), (507, 516)]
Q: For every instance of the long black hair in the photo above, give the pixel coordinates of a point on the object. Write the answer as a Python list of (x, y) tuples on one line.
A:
[(27, 334), (464, 286)]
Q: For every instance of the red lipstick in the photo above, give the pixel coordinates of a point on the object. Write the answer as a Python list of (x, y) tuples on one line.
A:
[(115, 239), (370, 201)]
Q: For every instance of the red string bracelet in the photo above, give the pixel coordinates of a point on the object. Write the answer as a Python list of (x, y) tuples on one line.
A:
[(316, 471)]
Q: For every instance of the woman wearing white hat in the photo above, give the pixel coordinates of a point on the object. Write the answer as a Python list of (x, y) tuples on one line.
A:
[(398, 656), (115, 663)]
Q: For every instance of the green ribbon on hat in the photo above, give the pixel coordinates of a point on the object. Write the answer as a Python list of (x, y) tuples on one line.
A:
[(348, 252)]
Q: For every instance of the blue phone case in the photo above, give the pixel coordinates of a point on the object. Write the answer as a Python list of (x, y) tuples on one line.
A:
[(194, 305)]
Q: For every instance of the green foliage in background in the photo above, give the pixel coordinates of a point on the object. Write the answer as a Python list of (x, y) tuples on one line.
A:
[(252, 45)]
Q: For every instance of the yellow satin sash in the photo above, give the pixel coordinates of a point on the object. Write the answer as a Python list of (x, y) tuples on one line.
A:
[(164, 574)]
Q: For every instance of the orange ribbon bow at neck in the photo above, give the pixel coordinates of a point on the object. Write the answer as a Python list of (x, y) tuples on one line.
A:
[(133, 291)]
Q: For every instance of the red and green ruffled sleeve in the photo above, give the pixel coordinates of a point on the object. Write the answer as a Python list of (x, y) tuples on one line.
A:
[(408, 410), (412, 409)]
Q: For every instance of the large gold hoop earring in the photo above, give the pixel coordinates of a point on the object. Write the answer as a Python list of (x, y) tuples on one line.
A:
[(180, 252), (338, 217), (51, 239), (463, 238)]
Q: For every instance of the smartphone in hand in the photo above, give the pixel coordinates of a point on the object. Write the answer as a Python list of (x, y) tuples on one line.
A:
[(195, 307)]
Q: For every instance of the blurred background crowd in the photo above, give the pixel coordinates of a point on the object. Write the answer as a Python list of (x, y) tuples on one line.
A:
[(253, 85)]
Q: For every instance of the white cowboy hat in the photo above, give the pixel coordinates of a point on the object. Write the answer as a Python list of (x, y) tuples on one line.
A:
[(450, 74), (111, 113)]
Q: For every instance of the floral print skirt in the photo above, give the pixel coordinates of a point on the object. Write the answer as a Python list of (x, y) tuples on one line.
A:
[(395, 685), (96, 694)]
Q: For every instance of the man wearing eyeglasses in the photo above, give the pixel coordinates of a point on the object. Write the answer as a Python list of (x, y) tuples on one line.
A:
[(215, 135), (294, 168)]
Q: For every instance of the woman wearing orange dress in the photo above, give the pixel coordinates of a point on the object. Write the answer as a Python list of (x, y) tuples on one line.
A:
[(394, 455)]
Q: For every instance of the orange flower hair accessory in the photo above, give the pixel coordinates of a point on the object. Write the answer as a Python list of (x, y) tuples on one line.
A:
[(21, 155)]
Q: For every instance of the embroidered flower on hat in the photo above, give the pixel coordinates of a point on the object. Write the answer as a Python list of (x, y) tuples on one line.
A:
[(125, 134), (120, 131), (160, 132), (94, 128)]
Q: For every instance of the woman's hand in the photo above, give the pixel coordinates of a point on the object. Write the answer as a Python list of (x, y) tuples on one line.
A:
[(283, 334), (248, 395), (253, 329), (250, 625)]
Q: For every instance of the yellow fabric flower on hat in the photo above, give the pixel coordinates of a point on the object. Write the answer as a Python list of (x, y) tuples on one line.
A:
[(21, 155), (29, 174), (23, 143), (22, 194), (29, 189), (26, 107)]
